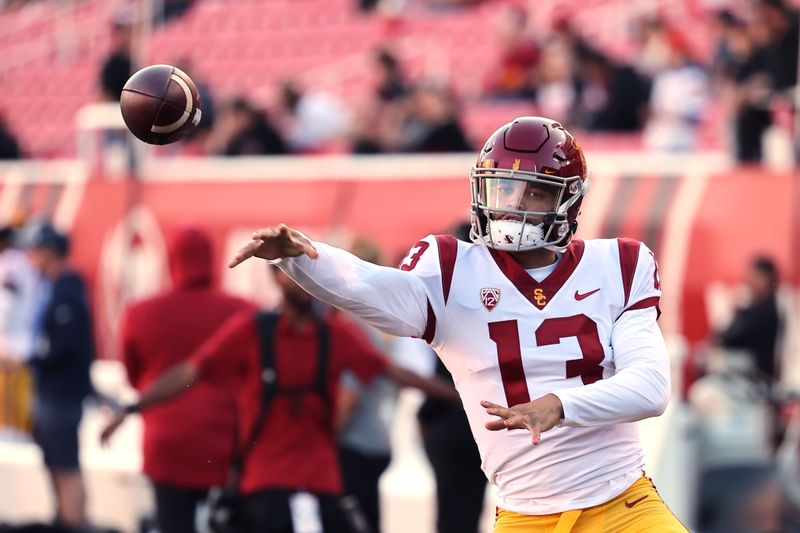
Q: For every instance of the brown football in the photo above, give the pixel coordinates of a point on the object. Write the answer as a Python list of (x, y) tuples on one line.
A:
[(160, 103)]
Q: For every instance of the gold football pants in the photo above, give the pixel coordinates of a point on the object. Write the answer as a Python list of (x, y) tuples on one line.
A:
[(638, 509)]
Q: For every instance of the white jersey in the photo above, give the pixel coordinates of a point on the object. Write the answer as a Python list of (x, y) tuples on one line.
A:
[(20, 303), (587, 333)]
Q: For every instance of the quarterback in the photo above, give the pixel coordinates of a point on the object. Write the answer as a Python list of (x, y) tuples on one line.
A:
[(552, 342)]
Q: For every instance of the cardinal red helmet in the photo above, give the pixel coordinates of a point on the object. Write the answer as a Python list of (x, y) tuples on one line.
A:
[(529, 160)]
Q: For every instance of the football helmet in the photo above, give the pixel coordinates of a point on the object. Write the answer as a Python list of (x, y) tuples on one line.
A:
[(527, 187)]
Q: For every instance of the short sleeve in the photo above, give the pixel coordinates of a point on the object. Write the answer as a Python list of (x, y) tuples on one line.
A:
[(640, 278), (224, 356), (433, 261)]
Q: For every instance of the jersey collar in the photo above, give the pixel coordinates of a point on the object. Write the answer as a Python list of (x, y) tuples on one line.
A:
[(539, 293)]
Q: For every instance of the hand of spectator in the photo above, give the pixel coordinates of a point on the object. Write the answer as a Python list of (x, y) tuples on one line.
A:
[(115, 421), (538, 416), (275, 243)]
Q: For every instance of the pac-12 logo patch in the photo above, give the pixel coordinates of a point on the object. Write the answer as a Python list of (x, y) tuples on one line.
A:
[(490, 296)]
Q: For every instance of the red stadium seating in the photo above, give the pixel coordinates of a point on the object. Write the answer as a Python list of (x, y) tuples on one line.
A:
[(50, 56)]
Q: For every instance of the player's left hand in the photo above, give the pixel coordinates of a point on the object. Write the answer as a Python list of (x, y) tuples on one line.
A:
[(537, 416)]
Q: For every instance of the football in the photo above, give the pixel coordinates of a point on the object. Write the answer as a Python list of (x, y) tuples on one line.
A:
[(160, 104)]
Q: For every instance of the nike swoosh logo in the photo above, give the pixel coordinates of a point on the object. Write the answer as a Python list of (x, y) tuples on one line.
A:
[(580, 297), (634, 502)]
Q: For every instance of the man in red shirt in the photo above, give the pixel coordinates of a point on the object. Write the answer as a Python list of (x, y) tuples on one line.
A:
[(182, 458), (290, 472)]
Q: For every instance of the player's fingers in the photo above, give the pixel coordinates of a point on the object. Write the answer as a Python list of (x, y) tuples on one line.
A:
[(516, 422), (487, 403), (496, 425), (536, 433), (244, 253), (502, 412), (310, 251), (265, 233)]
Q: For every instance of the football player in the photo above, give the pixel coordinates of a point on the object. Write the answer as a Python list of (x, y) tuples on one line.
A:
[(552, 342)]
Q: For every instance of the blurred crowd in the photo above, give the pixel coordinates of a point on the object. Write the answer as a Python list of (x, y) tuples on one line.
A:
[(664, 92)]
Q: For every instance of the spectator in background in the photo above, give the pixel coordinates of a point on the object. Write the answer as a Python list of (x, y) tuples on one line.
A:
[(740, 76), (9, 147), (781, 42), (60, 365), (182, 457), (118, 66), (20, 304), (293, 462), (613, 96), (364, 414), (513, 76), (431, 124), (375, 120), (391, 83), (314, 121), (206, 99), (755, 326), (451, 450), (559, 89), (244, 130), (677, 101)]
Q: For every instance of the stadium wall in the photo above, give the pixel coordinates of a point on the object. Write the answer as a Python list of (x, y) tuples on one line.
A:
[(702, 217)]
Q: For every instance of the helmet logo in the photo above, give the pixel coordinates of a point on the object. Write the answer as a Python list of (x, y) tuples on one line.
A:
[(541, 299), (490, 297), (515, 166)]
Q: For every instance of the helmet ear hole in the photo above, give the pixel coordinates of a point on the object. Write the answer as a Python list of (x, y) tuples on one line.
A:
[(573, 226)]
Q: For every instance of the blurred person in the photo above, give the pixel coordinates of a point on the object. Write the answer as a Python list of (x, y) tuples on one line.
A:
[(290, 472), (542, 333), (558, 90), (182, 457), (512, 76), (741, 499), (781, 41), (678, 100), (391, 83), (614, 96), (314, 121), (741, 78), (244, 130), (60, 364), (364, 415), (20, 303), (454, 457), (207, 103), (756, 325), (432, 125), (375, 120), (118, 65), (654, 48), (9, 146)]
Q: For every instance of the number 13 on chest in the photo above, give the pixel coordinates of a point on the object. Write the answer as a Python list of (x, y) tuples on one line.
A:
[(506, 335)]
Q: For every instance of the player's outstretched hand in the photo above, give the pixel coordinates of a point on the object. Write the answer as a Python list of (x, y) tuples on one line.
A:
[(275, 243), (538, 416)]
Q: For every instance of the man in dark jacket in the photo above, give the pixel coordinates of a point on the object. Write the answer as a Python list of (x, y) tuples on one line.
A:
[(188, 442), (60, 365), (755, 326)]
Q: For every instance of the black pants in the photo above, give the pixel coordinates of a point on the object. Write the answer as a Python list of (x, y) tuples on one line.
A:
[(268, 511), (460, 482), (361, 474), (176, 507)]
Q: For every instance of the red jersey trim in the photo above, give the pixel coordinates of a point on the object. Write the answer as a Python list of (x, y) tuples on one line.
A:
[(645, 303), (448, 248), (539, 294), (430, 325), (628, 257)]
